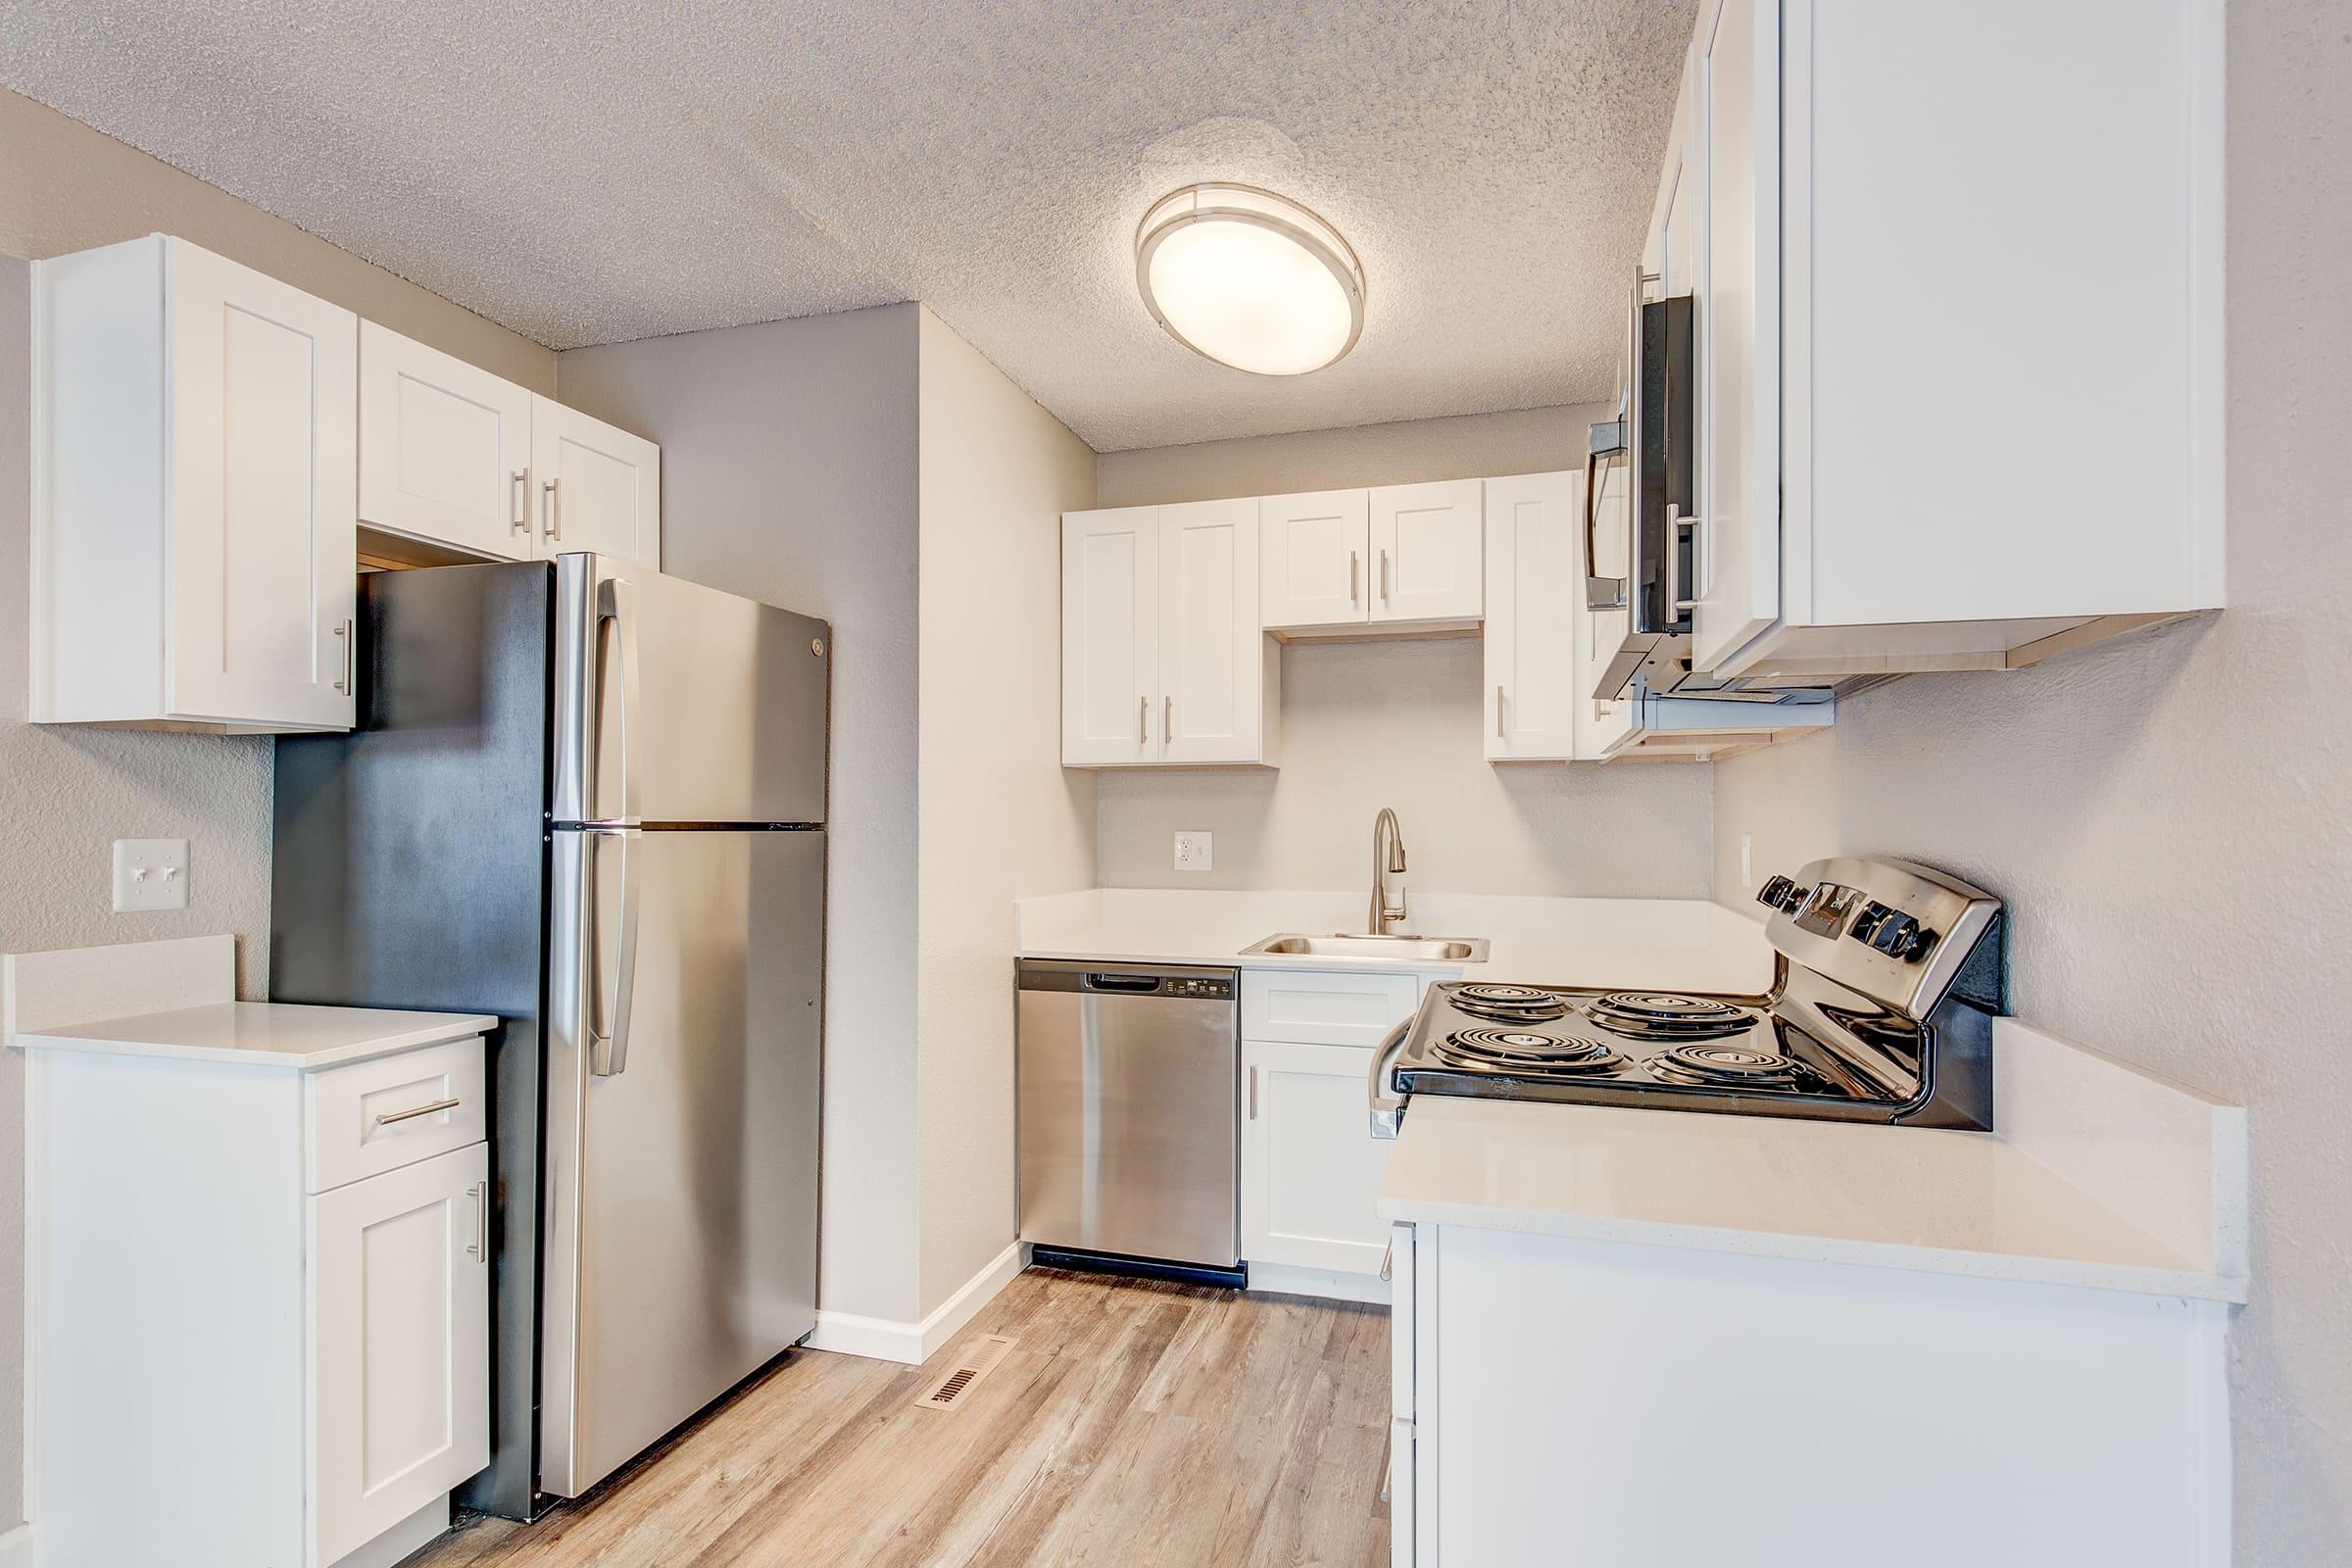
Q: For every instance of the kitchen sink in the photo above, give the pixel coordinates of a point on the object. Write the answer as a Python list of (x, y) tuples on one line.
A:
[(1395, 949)]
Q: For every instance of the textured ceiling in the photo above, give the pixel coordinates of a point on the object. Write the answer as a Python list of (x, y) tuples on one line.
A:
[(589, 173)]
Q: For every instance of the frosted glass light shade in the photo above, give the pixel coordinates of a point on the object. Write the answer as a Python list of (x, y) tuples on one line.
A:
[(1249, 279)]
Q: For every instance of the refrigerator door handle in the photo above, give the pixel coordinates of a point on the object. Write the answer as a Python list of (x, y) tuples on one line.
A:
[(615, 601), (609, 1027)]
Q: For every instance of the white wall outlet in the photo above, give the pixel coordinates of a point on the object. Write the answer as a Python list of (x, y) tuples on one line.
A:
[(1747, 859), (1193, 850), (150, 873)]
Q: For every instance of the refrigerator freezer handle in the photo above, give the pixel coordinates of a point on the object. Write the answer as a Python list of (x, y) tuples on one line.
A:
[(608, 1045), (615, 601)]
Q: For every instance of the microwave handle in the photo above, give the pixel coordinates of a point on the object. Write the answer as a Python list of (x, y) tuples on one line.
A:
[(1600, 593)]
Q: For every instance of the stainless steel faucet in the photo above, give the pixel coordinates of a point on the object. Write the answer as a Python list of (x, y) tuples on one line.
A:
[(1388, 859)]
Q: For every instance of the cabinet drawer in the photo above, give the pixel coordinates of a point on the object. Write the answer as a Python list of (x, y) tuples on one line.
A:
[(369, 1117), (1316, 1008)]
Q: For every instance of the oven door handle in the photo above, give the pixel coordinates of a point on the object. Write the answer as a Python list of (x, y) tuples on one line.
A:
[(1388, 1111)]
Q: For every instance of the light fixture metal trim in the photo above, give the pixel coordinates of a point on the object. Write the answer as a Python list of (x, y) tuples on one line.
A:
[(1224, 201)]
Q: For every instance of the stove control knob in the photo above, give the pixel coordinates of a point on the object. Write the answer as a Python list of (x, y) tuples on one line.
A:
[(1866, 924), (1780, 893), (1901, 937)]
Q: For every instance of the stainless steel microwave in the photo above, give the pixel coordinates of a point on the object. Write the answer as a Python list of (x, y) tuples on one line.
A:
[(1653, 442)]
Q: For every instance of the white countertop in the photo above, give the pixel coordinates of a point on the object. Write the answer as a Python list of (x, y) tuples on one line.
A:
[(1690, 943), (267, 1034), (2157, 1210)]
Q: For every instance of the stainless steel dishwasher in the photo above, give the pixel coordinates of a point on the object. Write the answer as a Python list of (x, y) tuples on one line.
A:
[(1129, 1105)]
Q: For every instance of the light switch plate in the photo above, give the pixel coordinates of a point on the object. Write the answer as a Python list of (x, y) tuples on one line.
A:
[(151, 874), (1193, 850)]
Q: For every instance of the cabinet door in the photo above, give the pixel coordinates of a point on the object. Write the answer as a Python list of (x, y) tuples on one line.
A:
[(264, 420), (400, 1330), (445, 448), (1428, 551), (1312, 553), (1310, 1170), (1110, 636), (1737, 90), (1211, 670), (598, 488), (1535, 615)]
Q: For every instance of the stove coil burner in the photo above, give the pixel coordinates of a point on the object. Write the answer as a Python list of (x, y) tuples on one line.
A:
[(1509, 1004), (1663, 1015), (1524, 1051), (1723, 1066)]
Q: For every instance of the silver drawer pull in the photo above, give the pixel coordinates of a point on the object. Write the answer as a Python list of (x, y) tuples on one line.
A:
[(1388, 1260), (415, 1111)]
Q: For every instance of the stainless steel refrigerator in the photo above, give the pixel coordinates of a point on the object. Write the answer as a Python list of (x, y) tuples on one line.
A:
[(590, 798)]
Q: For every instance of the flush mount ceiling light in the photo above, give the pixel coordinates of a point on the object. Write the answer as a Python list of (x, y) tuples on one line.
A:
[(1248, 279)]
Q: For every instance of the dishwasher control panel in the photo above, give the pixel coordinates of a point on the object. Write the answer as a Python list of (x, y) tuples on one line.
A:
[(1207, 990)]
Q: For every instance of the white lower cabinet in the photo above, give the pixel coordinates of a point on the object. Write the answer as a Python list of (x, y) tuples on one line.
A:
[(1587, 1401), (1311, 1168), (261, 1300), (401, 1321)]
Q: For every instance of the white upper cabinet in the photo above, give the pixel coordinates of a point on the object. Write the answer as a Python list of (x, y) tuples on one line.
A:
[(1536, 619), (194, 482), (1211, 656), (599, 487), (1110, 636), (445, 448), (1960, 376), (451, 455), (1312, 559), (1427, 552)]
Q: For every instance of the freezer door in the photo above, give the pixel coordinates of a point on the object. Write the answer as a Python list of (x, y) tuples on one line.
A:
[(676, 703), (681, 1161)]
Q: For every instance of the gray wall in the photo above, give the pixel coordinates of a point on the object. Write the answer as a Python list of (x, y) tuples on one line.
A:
[(2170, 817), (1000, 819), (788, 475), (66, 793), (1395, 723)]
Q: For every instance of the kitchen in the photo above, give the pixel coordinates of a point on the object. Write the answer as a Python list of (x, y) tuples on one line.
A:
[(815, 317)]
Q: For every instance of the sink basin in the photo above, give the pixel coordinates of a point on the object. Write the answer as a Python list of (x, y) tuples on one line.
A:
[(1397, 949)]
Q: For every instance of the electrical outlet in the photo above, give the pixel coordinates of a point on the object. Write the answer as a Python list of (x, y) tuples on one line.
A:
[(1747, 859), (151, 874), (1193, 850)]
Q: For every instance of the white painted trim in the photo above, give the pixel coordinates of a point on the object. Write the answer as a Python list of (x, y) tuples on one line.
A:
[(16, 1548), (883, 1339), (1330, 1285)]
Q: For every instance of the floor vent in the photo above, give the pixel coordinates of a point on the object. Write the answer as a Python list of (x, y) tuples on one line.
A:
[(978, 1362)]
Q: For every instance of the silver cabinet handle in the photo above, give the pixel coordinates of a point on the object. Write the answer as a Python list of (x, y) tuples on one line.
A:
[(617, 604), (1253, 1094), (1168, 717), (1355, 563), (343, 682), (555, 513), (523, 500), (1142, 721), (1384, 576), (1498, 735), (609, 1044), (479, 1191), (415, 1111), (1388, 1260)]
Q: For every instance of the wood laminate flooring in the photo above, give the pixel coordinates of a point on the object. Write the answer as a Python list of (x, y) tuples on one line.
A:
[(1137, 1423)]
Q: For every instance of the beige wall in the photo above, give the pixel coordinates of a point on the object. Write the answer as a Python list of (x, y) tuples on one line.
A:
[(2170, 817), (1001, 820), (1395, 723), (66, 793), (788, 475)]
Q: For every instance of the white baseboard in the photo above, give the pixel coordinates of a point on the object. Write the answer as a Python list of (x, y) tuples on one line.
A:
[(16, 1548), (1283, 1279), (883, 1339)]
